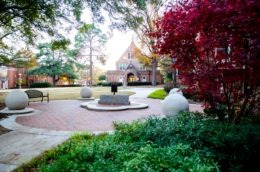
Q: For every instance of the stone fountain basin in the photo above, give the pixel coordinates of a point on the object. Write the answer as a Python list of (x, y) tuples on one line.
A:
[(94, 105), (114, 100)]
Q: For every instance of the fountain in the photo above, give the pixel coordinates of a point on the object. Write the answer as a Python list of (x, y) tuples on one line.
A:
[(113, 102)]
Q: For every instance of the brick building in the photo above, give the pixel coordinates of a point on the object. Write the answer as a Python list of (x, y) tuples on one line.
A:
[(17, 77), (129, 69)]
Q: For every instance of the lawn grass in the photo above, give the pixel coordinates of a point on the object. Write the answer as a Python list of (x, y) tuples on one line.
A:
[(69, 93), (158, 94)]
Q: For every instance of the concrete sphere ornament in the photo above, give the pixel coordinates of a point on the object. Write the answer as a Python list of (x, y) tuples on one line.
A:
[(86, 92), (173, 104), (176, 91), (16, 100)]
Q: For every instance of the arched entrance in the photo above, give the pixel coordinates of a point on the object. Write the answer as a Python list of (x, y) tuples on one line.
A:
[(130, 77)]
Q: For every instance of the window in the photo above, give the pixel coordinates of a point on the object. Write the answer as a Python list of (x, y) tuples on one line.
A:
[(129, 55), (121, 66)]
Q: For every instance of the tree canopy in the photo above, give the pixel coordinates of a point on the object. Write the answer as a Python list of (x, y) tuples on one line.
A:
[(55, 59), (102, 77), (23, 20), (216, 44), (90, 42), (137, 15)]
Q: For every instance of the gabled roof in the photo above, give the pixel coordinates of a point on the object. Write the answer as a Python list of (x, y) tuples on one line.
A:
[(130, 48), (131, 67)]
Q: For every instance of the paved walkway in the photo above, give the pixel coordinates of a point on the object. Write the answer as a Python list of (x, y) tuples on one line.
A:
[(53, 123), (67, 115)]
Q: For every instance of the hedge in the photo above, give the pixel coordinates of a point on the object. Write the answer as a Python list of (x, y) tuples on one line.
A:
[(108, 84), (138, 83), (40, 85), (70, 85)]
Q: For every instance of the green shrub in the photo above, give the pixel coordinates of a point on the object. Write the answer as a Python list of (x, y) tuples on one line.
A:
[(158, 94), (232, 146), (138, 83), (88, 153), (108, 84), (105, 84), (219, 111), (70, 85), (102, 77), (186, 143), (40, 85)]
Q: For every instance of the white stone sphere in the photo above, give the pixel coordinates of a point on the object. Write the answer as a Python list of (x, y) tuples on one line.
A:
[(86, 92), (16, 100), (173, 104), (176, 91)]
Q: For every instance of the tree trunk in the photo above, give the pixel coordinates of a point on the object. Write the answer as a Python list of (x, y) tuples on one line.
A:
[(53, 80), (154, 67), (174, 77), (90, 64)]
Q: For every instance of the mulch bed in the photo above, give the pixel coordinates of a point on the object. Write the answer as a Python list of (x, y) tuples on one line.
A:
[(2, 129)]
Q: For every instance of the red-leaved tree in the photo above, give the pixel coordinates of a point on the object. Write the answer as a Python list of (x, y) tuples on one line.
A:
[(216, 44)]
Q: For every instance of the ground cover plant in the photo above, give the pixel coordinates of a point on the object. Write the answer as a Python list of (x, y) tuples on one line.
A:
[(158, 94), (186, 143), (162, 93)]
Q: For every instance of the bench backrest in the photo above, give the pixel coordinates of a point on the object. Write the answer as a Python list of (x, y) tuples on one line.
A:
[(34, 93)]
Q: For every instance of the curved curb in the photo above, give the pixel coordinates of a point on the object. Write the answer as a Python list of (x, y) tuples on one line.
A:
[(95, 106), (7, 111), (11, 124), (86, 99)]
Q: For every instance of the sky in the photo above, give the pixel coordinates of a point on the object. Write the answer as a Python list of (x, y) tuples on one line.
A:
[(115, 46)]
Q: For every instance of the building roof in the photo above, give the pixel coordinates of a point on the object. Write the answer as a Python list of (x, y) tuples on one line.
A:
[(130, 48)]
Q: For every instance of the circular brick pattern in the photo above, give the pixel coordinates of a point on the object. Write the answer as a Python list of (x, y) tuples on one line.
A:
[(67, 115)]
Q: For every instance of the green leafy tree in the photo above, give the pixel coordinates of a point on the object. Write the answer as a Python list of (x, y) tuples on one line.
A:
[(24, 58), (102, 77), (55, 60), (166, 68), (90, 42), (22, 20), (137, 15)]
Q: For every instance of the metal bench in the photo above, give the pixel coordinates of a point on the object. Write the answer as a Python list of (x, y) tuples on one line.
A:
[(32, 94)]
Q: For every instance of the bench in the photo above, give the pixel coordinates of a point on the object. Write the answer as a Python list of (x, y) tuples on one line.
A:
[(36, 94)]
